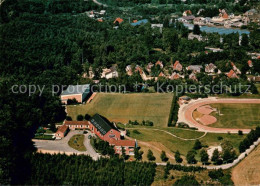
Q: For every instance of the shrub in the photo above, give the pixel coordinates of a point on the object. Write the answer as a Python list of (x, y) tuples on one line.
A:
[(68, 118), (80, 117)]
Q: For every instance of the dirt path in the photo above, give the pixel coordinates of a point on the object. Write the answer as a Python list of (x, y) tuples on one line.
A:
[(185, 114), (100, 4), (192, 139)]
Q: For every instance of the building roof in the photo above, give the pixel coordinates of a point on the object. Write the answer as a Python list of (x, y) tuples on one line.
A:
[(102, 124), (123, 143), (194, 67), (176, 64), (143, 21), (76, 122), (232, 74), (62, 129), (161, 74), (76, 89), (250, 63), (119, 20)]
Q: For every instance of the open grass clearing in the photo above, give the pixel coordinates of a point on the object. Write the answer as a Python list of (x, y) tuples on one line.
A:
[(160, 138), (118, 107), (244, 116), (77, 142)]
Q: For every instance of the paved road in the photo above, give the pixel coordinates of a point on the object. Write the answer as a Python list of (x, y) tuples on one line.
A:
[(100, 4), (61, 146), (229, 165)]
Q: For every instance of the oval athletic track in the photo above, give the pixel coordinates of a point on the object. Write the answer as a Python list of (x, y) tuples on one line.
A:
[(185, 113)]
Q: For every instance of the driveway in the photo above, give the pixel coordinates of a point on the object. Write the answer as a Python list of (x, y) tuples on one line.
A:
[(61, 146)]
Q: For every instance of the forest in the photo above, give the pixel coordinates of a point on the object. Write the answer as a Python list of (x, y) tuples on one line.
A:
[(82, 170)]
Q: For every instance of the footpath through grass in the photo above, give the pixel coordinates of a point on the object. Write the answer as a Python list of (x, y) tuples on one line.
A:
[(77, 142), (161, 140)]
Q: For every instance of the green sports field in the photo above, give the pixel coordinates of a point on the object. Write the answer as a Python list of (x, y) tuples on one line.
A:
[(244, 116), (124, 107)]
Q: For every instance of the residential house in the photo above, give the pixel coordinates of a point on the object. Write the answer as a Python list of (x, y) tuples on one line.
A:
[(118, 20), (193, 77), (194, 68), (250, 63), (232, 74), (110, 73), (102, 12), (214, 49), (161, 74), (149, 67), (79, 92), (177, 66), (160, 63), (128, 70), (62, 132), (187, 13), (156, 25), (192, 36), (73, 125), (210, 68), (175, 76), (235, 68)]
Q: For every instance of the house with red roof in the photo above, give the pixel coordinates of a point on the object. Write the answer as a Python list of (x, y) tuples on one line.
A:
[(161, 74), (128, 145), (193, 77), (187, 13), (62, 132), (177, 66), (232, 74), (160, 63), (118, 20), (250, 63), (175, 76)]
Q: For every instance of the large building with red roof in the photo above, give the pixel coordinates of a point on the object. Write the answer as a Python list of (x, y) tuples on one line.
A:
[(107, 131)]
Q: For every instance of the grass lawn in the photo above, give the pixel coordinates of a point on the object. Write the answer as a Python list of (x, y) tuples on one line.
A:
[(160, 140), (237, 115), (77, 142), (258, 87), (124, 107)]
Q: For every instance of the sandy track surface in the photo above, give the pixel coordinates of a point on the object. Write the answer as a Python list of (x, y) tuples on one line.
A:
[(185, 113)]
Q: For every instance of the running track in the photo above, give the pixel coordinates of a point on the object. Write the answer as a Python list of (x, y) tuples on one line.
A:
[(185, 114)]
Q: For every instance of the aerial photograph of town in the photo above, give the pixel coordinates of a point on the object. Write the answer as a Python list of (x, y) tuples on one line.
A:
[(130, 92)]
